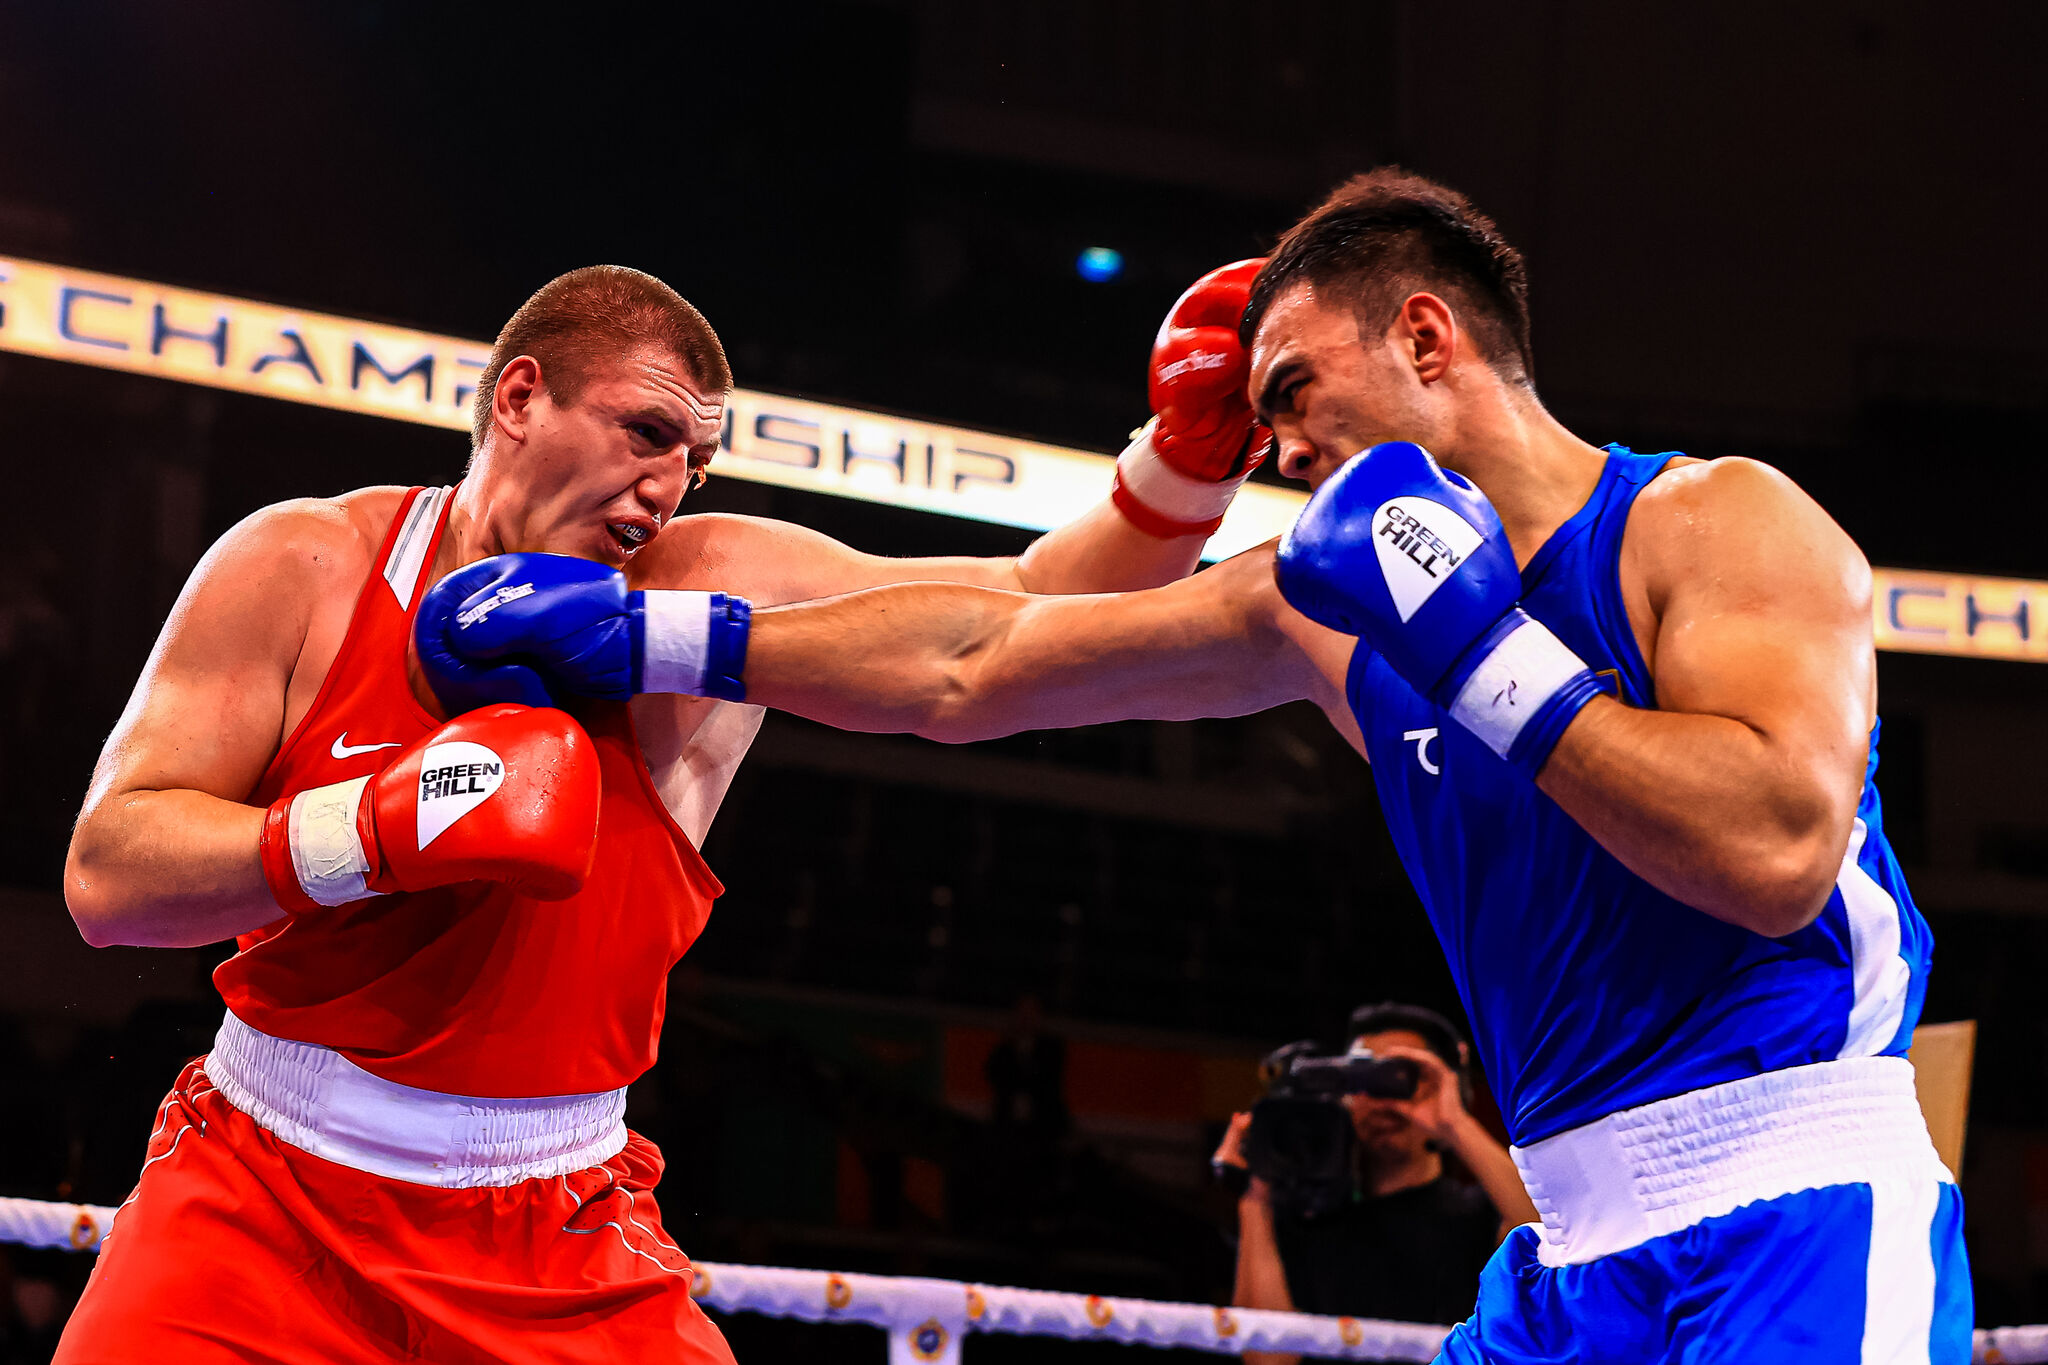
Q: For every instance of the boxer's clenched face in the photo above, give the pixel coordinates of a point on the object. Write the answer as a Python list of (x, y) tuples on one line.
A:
[(600, 476), (1328, 391)]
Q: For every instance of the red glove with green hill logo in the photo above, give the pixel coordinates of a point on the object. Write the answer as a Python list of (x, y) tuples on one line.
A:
[(1178, 476), (505, 794)]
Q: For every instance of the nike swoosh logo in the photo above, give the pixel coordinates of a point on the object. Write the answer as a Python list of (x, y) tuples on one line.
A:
[(343, 749)]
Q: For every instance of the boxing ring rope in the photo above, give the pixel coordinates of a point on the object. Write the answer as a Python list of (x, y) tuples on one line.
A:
[(927, 1319)]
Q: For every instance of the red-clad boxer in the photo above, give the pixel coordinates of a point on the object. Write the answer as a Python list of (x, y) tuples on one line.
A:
[(454, 936)]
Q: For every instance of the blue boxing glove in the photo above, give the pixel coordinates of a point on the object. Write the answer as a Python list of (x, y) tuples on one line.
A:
[(1412, 559), (541, 629)]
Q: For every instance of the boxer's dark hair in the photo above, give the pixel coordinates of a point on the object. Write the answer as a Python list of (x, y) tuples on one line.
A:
[(576, 321), (1386, 234)]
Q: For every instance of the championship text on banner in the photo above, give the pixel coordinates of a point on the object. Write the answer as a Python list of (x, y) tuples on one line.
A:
[(337, 362), (1946, 613)]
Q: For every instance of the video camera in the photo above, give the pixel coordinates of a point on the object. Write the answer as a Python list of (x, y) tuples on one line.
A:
[(1300, 1141)]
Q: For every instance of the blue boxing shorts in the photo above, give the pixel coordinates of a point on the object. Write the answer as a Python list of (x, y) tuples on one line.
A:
[(1798, 1217)]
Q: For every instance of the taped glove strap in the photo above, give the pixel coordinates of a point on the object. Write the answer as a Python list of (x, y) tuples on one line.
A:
[(1523, 694), (313, 853), (1163, 502), (694, 643)]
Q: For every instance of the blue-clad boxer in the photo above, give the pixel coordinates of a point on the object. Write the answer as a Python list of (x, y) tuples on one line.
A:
[(1621, 712)]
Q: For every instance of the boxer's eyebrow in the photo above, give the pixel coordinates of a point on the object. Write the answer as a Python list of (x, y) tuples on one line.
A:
[(1282, 373), (658, 415)]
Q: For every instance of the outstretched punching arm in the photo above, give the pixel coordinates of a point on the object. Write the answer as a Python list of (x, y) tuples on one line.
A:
[(959, 663)]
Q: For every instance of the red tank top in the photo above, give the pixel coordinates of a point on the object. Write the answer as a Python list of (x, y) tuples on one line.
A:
[(471, 989)]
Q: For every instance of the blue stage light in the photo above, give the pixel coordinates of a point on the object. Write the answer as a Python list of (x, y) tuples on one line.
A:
[(1099, 264)]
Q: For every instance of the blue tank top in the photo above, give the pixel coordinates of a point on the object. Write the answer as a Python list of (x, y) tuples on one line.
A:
[(1588, 989)]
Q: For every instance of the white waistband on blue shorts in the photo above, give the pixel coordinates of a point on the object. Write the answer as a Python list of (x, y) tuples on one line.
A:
[(1645, 1172), (320, 1102)]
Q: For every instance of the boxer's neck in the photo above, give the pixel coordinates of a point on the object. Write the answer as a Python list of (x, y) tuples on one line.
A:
[(1534, 471), (477, 524)]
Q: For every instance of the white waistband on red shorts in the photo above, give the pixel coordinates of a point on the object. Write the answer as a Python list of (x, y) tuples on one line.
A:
[(1641, 1173), (320, 1102)]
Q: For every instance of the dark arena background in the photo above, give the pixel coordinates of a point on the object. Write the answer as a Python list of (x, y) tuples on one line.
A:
[(1808, 234)]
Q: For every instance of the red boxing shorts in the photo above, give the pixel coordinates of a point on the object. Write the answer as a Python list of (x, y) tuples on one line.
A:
[(237, 1246)]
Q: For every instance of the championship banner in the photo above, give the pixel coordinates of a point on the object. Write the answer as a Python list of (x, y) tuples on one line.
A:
[(1946, 613), (336, 362)]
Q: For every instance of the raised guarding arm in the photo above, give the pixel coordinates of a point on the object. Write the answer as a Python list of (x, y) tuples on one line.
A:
[(1737, 794)]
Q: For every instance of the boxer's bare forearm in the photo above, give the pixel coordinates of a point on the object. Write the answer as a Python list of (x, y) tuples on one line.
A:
[(1706, 809), (959, 663), (1101, 551), (167, 869)]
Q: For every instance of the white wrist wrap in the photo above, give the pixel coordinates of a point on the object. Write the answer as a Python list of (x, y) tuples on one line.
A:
[(1165, 490), (1512, 683), (675, 641), (327, 853)]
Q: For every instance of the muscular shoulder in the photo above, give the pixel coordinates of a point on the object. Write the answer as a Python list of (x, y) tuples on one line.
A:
[(720, 550), (1742, 524), (315, 543), (726, 534), (767, 560)]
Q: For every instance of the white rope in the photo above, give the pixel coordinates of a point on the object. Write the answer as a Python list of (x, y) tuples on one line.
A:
[(926, 1319), (34, 1223), (944, 1309)]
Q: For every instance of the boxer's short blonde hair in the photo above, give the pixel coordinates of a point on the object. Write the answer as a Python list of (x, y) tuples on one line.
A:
[(576, 322)]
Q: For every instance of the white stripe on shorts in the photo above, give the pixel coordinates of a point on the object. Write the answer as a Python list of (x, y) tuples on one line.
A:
[(1898, 1305)]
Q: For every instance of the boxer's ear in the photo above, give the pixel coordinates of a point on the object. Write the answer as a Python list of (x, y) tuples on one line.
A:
[(1427, 331), (519, 384)]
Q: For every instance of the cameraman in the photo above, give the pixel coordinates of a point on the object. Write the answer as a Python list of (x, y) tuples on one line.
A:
[(1408, 1244)]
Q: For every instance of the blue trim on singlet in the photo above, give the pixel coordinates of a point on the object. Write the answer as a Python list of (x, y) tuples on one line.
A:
[(1588, 989)]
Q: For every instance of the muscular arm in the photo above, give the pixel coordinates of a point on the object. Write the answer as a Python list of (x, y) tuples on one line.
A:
[(1099, 551), (959, 663), (1737, 794), (165, 850)]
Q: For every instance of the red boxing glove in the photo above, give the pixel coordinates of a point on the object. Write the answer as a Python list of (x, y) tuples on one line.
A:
[(1178, 477), (505, 794)]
